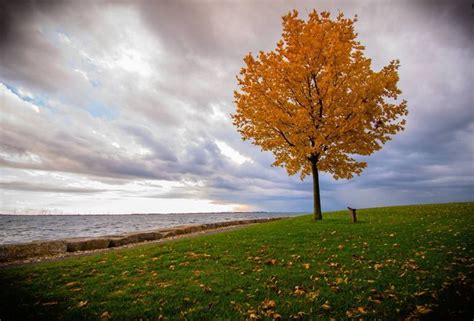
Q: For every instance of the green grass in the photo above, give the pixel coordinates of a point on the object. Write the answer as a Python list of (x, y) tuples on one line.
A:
[(396, 262)]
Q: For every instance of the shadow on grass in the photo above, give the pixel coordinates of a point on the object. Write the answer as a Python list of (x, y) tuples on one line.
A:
[(338, 221), (455, 303), (17, 302)]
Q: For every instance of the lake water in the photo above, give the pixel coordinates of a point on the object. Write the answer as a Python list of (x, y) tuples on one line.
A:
[(25, 228)]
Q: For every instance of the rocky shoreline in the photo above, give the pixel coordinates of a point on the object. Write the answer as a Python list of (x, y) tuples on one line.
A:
[(42, 250)]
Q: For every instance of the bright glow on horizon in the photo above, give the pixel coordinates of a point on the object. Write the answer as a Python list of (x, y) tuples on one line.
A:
[(123, 205)]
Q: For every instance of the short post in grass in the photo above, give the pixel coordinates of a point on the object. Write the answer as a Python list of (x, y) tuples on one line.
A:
[(352, 213)]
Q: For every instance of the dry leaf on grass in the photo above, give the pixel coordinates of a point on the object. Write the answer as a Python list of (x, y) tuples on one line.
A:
[(423, 309), (362, 310), (299, 291), (82, 304), (326, 306), (268, 304), (105, 316)]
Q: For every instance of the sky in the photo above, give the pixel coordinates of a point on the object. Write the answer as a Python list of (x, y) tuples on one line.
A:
[(124, 107)]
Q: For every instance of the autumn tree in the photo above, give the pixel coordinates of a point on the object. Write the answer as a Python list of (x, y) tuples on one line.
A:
[(315, 102)]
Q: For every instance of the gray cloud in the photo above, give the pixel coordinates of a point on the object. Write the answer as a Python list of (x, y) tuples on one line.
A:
[(141, 91), (13, 13), (41, 188), (457, 14), (23, 45)]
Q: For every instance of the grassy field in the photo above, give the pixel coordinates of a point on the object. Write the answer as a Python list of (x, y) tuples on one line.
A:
[(412, 262)]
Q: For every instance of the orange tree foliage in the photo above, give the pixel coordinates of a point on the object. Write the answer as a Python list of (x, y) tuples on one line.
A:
[(315, 101)]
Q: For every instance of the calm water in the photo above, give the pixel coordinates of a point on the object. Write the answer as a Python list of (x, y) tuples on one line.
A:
[(25, 228)]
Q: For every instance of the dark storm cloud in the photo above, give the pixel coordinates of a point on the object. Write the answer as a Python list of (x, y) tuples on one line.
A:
[(208, 29), (458, 14), (15, 14), (23, 45)]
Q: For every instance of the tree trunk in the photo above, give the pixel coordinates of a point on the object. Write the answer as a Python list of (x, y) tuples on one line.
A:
[(317, 215)]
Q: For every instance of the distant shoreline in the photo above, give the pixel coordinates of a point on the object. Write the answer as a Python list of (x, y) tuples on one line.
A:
[(26, 228), (173, 213), (39, 251)]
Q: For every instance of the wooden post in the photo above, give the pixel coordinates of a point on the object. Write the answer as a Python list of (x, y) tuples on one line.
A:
[(352, 213)]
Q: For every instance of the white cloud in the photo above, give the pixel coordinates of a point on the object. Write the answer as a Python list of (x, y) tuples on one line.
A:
[(83, 74), (9, 98), (231, 153)]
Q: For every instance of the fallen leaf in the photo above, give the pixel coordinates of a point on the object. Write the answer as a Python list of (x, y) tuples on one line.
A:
[(326, 306), (362, 310), (105, 316), (410, 264), (205, 288), (312, 295), (268, 304), (299, 316), (423, 309), (298, 291), (307, 266), (82, 304), (376, 301), (340, 280), (164, 285)]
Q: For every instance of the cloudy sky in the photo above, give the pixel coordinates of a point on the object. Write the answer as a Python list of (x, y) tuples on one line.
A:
[(123, 106)]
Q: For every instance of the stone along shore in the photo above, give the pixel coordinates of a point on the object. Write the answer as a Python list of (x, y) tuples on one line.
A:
[(18, 252)]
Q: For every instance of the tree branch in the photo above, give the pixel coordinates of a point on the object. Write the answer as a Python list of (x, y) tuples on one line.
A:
[(284, 136), (320, 100)]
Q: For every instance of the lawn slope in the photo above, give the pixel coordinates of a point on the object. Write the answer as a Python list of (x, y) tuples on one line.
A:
[(396, 263)]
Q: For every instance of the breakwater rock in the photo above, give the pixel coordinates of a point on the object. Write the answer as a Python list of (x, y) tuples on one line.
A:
[(14, 252)]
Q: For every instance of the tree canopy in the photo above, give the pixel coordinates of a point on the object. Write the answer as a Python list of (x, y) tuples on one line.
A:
[(315, 101), (317, 96)]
